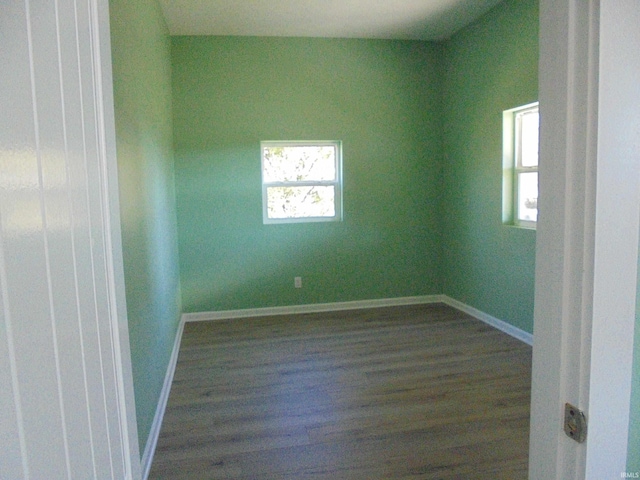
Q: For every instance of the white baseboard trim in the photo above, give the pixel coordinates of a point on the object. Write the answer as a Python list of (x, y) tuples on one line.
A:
[(501, 325), (154, 434), (311, 308)]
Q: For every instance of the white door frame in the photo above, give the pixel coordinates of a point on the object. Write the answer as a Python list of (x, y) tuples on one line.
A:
[(119, 320), (587, 240)]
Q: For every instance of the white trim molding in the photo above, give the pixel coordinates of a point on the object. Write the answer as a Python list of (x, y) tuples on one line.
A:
[(105, 118), (587, 237), (501, 325), (154, 434), (311, 308)]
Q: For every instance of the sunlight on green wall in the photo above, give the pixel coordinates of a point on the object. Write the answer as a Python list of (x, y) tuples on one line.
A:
[(491, 66), (380, 98), (142, 97)]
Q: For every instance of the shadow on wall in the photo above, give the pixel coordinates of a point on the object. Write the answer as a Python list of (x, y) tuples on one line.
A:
[(231, 260)]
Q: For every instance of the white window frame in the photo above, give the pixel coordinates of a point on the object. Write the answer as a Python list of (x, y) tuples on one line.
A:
[(336, 182), (512, 165)]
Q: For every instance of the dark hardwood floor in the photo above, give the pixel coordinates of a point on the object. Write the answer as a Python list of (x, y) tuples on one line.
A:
[(416, 392)]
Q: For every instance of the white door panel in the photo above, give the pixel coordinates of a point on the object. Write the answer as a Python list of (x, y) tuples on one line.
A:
[(65, 371)]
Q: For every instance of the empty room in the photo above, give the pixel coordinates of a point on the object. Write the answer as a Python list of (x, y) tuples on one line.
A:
[(311, 242), (418, 126), (420, 131)]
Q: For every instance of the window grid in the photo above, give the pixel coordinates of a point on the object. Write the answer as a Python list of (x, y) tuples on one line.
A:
[(325, 186), (526, 166), (520, 166)]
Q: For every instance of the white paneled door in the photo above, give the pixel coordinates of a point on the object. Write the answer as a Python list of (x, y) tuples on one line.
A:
[(66, 397)]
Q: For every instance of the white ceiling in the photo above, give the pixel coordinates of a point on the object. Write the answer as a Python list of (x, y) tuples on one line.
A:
[(388, 19)]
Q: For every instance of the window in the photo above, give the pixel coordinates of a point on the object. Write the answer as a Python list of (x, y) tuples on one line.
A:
[(520, 166), (301, 181)]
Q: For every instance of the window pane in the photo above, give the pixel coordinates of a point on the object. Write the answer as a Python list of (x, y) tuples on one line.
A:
[(301, 202), (299, 163), (528, 196), (530, 127)]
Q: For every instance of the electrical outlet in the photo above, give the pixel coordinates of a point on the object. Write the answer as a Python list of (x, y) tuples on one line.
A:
[(297, 282)]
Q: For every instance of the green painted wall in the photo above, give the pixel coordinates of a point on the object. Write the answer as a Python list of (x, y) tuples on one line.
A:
[(490, 66), (142, 93), (381, 98)]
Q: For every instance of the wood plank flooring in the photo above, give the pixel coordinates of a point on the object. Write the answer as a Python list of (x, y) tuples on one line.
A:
[(416, 392)]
